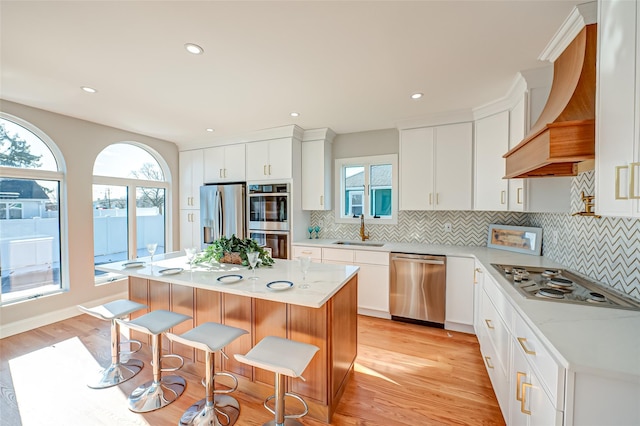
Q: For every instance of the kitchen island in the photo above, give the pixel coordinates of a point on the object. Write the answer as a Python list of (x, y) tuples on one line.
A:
[(325, 315)]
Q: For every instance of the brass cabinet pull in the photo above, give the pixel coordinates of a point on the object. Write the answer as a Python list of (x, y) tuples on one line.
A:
[(476, 271), (269, 169), (618, 196), (523, 401), (437, 198), (519, 377), (225, 173), (430, 198), (264, 169), (502, 196), (322, 200), (519, 196), (489, 326), (632, 181), (526, 350), (488, 361)]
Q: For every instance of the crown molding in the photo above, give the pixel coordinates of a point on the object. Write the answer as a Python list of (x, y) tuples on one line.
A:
[(319, 134), (436, 119), (581, 16)]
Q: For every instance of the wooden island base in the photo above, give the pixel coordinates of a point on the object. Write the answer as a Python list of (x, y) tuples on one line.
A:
[(332, 328)]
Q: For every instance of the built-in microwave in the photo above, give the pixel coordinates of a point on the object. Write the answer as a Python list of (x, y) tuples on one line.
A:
[(276, 241), (268, 207)]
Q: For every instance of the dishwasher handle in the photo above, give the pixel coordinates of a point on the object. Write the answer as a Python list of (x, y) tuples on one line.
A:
[(414, 260)]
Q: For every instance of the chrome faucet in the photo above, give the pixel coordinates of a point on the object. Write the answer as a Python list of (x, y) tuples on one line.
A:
[(362, 234)]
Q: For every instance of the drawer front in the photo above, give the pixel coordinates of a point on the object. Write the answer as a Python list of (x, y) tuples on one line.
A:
[(314, 252), (372, 257), (550, 373), (340, 255), (499, 379), (497, 333), (499, 301)]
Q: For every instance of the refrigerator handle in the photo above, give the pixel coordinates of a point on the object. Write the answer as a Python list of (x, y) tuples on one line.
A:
[(220, 218)]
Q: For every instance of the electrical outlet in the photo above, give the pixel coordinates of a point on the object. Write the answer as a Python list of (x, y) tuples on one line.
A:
[(447, 227)]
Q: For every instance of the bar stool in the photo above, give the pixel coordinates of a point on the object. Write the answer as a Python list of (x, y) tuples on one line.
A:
[(284, 357), (211, 337), (161, 391), (119, 371)]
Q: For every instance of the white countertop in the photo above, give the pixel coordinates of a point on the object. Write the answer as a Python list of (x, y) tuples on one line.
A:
[(324, 280), (603, 341)]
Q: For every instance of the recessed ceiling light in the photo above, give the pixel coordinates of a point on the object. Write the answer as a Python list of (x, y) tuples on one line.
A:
[(88, 89), (416, 96), (194, 48), (295, 114), (210, 130)]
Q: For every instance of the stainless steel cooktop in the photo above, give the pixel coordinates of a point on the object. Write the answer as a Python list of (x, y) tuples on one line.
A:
[(564, 286)]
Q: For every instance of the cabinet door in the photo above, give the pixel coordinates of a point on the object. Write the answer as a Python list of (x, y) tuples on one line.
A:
[(214, 164), (416, 169), (373, 288), (517, 131), (316, 175), (492, 141), (190, 229), (460, 278), (615, 134), (234, 163), (257, 160), (280, 159), (191, 178), (453, 165), (478, 282)]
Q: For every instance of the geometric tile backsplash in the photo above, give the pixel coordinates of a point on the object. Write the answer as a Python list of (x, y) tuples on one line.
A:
[(606, 249)]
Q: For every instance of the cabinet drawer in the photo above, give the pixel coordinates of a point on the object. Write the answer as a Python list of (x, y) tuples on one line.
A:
[(341, 255), (550, 373), (314, 252), (372, 257), (497, 333), (499, 301)]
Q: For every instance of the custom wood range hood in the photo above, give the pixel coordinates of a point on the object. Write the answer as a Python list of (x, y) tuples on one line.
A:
[(564, 135)]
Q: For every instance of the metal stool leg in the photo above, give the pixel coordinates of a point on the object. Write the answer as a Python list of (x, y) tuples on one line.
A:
[(118, 372), (208, 410), (159, 392), (280, 418)]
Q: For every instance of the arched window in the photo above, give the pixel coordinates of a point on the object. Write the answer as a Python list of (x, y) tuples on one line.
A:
[(129, 204), (31, 229)]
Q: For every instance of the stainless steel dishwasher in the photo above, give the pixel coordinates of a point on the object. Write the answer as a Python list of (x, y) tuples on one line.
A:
[(418, 288)]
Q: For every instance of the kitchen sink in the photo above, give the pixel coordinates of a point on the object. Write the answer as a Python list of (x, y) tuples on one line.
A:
[(358, 243)]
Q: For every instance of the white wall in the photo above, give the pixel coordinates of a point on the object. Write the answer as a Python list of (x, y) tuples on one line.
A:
[(361, 144), (80, 142)]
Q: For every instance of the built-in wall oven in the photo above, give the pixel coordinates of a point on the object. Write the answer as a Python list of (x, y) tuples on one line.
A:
[(268, 211)]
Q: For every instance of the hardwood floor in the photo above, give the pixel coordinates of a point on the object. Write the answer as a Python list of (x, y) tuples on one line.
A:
[(405, 375)]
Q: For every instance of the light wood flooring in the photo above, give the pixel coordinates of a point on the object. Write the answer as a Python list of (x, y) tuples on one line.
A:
[(405, 375)]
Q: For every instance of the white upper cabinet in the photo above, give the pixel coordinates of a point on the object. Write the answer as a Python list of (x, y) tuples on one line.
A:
[(191, 178), (436, 168), (269, 160), (491, 142), (224, 164), (316, 173), (618, 109)]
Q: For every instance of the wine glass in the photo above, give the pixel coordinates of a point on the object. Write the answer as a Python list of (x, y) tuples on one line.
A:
[(252, 257), (305, 261), (151, 248), (310, 229), (317, 229), (191, 255)]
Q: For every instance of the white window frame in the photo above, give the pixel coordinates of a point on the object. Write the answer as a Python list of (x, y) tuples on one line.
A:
[(132, 185), (366, 162), (37, 174)]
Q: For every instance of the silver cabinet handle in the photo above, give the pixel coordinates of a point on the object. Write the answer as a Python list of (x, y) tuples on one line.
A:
[(429, 262)]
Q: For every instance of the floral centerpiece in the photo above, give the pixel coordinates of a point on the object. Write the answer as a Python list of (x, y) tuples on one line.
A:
[(233, 250)]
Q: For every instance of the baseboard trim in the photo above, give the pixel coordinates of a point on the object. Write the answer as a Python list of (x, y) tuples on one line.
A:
[(31, 323), (374, 313), (456, 326)]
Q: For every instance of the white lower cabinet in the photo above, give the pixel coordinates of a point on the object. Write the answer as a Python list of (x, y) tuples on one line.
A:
[(373, 277), (459, 290)]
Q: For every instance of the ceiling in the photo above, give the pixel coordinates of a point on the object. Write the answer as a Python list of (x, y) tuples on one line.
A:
[(350, 66)]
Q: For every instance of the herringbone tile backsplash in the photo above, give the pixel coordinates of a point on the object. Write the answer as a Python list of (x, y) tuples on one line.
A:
[(607, 249)]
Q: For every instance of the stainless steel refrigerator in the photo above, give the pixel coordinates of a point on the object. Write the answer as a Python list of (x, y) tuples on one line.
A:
[(222, 211)]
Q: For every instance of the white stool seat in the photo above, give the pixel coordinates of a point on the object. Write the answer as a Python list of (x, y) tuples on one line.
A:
[(208, 337), (120, 370), (282, 356), (116, 309), (211, 337), (156, 322)]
